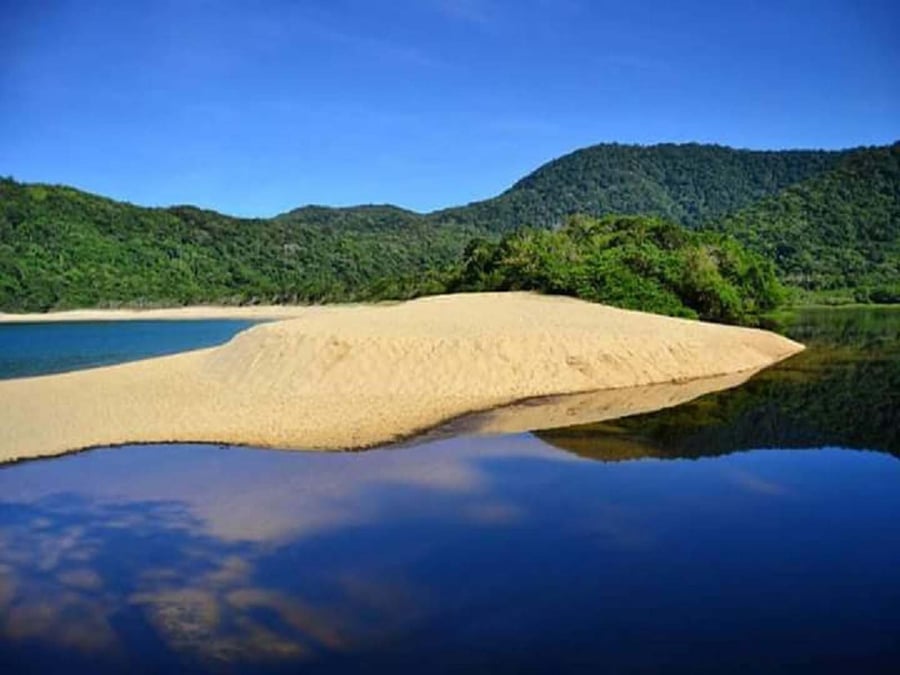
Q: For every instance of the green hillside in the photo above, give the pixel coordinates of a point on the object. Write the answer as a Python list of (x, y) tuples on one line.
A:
[(828, 220), (689, 184), (837, 230), (61, 247)]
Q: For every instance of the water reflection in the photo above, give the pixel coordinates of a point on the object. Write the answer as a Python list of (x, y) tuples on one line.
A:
[(203, 554), (500, 554), (495, 554), (109, 581), (844, 390)]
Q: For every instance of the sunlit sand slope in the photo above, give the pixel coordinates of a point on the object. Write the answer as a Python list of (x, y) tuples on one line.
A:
[(356, 376)]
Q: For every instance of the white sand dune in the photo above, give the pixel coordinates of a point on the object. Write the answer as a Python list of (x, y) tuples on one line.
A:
[(356, 376)]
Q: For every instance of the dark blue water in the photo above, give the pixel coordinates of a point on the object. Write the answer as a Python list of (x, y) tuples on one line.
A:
[(42, 348), (727, 535), (495, 554)]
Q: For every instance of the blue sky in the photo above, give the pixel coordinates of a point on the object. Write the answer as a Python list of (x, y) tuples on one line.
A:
[(255, 107)]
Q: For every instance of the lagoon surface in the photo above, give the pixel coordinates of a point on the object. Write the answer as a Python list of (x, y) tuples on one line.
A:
[(754, 530), (28, 349)]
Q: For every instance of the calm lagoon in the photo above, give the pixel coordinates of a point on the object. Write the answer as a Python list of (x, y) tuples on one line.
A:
[(754, 530), (28, 349)]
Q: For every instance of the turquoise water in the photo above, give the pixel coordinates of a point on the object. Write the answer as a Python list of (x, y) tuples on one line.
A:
[(755, 530), (43, 348)]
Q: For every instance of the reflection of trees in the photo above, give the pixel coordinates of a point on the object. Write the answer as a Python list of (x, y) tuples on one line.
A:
[(844, 390)]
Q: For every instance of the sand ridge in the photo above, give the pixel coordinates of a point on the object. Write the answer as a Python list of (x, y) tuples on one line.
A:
[(338, 377)]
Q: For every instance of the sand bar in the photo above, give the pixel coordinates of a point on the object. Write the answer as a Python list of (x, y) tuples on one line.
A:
[(339, 377), (249, 312)]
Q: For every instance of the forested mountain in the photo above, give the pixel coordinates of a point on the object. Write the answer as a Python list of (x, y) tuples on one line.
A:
[(826, 219), (839, 229), (690, 184), (61, 247), (368, 218)]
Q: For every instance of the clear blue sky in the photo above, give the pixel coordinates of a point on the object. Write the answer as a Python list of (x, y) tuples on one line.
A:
[(255, 107)]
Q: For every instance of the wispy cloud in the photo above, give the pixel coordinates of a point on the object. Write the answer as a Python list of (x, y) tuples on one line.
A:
[(481, 12), (323, 26), (380, 47)]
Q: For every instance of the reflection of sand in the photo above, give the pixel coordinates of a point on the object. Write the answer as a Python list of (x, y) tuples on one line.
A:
[(552, 412), (339, 377)]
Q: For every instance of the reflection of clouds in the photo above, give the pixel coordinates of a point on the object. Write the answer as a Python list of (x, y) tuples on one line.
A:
[(221, 615), (49, 588), (35, 609), (615, 527), (68, 620), (189, 619), (233, 569), (61, 585), (209, 549), (315, 624), (53, 549), (754, 483), (492, 513), (515, 537), (84, 579), (224, 615), (7, 589), (377, 602), (266, 495)]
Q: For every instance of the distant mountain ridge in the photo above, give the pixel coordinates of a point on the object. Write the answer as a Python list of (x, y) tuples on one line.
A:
[(688, 183), (828, 219)]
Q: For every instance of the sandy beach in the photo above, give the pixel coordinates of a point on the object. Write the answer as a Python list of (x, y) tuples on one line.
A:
[(250, 312), (336, 377)]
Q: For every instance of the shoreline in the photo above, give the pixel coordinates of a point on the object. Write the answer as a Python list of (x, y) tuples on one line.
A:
[(277, 312), (537, 413), (345, 377), (516, 417), (190, 312)]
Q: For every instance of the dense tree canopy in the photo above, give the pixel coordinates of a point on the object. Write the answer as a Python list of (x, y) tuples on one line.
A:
[(827, 220), (61, 248), (634, 262), (840, 229)]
